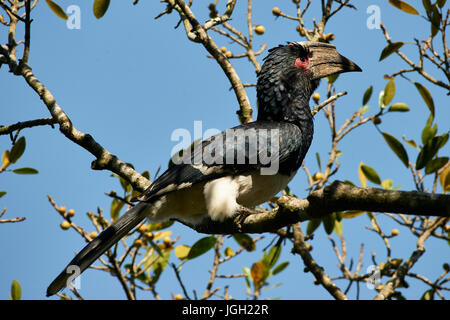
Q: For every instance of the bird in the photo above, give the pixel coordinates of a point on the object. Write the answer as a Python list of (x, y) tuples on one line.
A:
[(242, 167)]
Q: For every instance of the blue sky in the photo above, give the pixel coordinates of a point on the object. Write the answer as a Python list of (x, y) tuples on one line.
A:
[(130, 81)]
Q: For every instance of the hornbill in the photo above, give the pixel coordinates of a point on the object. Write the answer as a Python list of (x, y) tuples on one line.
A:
[(229, 172)]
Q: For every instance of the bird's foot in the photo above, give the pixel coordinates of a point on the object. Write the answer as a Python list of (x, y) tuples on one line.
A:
[(244, 212)]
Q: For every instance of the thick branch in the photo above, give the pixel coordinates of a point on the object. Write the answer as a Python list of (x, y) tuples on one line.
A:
[(318, 272), (105, 160), (338, 196)]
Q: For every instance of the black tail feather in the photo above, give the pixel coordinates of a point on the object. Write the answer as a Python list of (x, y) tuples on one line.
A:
[(99, 245)]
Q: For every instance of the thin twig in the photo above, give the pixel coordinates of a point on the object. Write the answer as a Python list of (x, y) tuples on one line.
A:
[(27, 124), (180, 281), (319, 107)]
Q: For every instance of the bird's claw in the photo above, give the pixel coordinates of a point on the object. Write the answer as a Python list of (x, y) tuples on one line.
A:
[(243, 214)]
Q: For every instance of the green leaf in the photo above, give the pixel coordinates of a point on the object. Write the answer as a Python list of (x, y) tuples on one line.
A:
[(430, 149), (313, 224), (435, 20), (5, 160), (390, 49), (25, 171), (422, 159), (328, 222), (100, 8), (126, 186), (411, 142), (361, 175), (146, 174), (397, 147), (387, 184), (57, 9), (331, 79), (271, 258), (426, 96), (444, 179), (162, 234), (156, 173), (2, 193), (363, 110), (338, 227), (350, 214), (155, 247), (202, 246), (398, 296), (160, 225), (116, 206), (159, 265), (367, 95), (389, 92), (399, 107), (428, 132), (404, 6), (371, 174), (248, 276), (435, 164), (441, 3), (16, 290), (17, 150), (349, 182), (245, 241), (428, 295), (381, 99), (280, 267), (442, 140), (427, 6)]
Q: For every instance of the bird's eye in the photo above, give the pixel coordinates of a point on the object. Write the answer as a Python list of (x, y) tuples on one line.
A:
[(302, 59)]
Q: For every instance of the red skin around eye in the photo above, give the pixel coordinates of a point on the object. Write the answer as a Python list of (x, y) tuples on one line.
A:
[(302, 64)]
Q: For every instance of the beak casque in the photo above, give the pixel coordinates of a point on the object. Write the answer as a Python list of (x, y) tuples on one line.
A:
[(326, 61)]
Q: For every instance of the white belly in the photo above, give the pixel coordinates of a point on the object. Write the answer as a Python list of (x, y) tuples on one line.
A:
[(219, 198), (256, 189)]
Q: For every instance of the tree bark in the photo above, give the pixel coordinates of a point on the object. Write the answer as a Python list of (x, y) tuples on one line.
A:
[(338, 196)]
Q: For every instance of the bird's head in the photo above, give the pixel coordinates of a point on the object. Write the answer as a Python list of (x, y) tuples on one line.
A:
[(293, 71)]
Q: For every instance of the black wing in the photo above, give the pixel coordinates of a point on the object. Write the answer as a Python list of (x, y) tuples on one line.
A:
[(262, 145)]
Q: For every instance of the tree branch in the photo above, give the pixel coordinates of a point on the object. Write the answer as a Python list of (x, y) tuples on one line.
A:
[(312, 266), (418, 68), (338, 196), (198, 33), (399, 275), (26, 51), (214, 269), (105, 160), (9, 220), (321, 105), (177, 273), (26, 124)]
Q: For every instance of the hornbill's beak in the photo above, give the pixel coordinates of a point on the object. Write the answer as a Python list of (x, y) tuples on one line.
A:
[(326, 61)]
